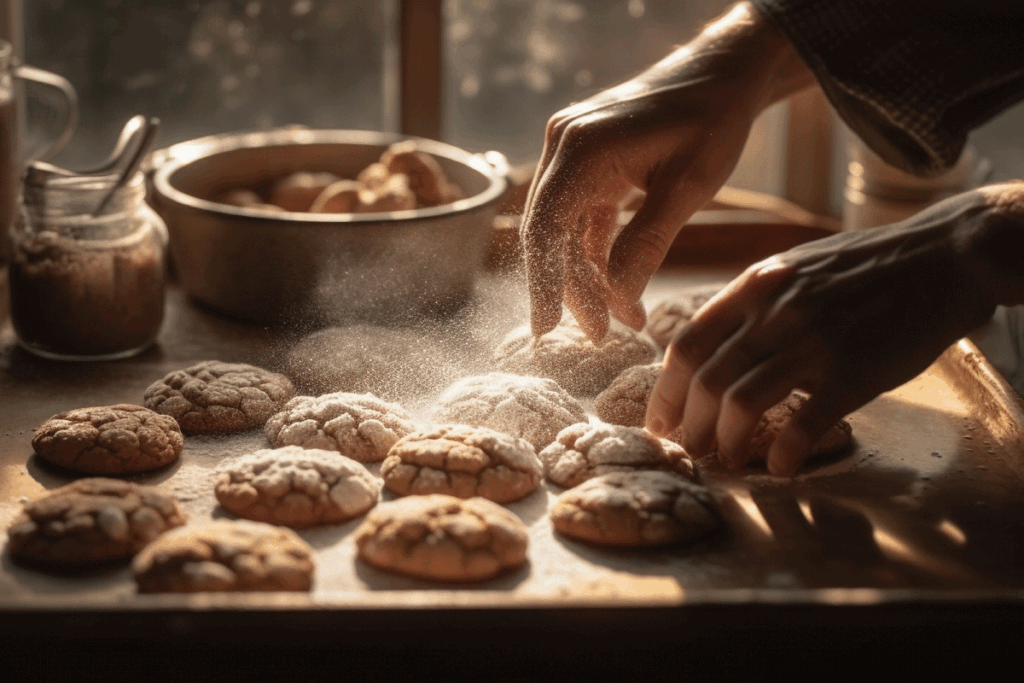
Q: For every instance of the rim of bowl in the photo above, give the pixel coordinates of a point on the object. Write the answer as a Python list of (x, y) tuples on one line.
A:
[(171, 159)]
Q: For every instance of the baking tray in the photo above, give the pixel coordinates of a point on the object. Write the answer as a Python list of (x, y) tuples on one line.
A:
[(923, 520)]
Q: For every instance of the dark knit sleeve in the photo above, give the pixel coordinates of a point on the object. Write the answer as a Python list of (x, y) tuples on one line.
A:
[(910, 78)]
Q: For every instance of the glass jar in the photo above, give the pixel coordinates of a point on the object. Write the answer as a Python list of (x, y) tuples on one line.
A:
[(86, 287)]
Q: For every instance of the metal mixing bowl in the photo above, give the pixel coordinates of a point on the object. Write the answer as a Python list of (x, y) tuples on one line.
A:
[(283, 268)]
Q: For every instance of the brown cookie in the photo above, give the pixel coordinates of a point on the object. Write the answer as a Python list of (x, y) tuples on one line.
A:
[(635, 509), (360, 426), (584, 451), (462, 461), (296, 487), (225, 556), (837, 439), (109, 439), (624, 401), (670, 315), (532, 408), (569, 357), (442, 537), (215, 397), (297, 191), (91, 521), (427, 179)]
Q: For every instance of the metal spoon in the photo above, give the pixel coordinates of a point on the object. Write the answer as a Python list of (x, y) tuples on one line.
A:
[(146, 139), (40, 171)]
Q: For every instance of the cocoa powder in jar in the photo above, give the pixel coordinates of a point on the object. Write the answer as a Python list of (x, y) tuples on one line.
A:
[(84, 288)]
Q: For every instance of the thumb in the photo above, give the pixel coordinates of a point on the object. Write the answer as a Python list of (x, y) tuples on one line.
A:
[(644, 242)]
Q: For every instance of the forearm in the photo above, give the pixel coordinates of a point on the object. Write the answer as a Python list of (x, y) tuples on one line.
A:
[(742, 44)]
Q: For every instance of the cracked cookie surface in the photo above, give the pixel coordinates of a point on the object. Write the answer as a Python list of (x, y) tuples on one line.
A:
[(223, 555), (443, 538), (532, 408), (91, 521), (635, 509), (838, 438), (116, 439), (360, 426), (584, 451), (462, 461), (568, 356), (670, 315), (215, 397), (296, 487)]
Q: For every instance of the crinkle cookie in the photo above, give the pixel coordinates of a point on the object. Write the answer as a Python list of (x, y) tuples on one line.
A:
[(361, 426), (838, 438), (219, 397), (669, 315), (462, 461), (635, 509), (225, 555), (585, 451), (296, 487), (442, 537), (625, 400), (569, 357), (532, 408), (109, 439), (91, 521), (391, 363)]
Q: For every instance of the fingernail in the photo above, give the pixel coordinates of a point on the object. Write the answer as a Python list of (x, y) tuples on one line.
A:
[(656, 426)]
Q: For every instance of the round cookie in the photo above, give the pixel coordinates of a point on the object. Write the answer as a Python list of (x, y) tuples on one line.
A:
[(624, 401), (427, 179), (392, 363), (297, 191), (532, 408), (225, 555), (838, 438), (296, 487), (670, 315), (116, 439), (361, 426), (91, 521), (215, 397), (462, 461), (442, 537), (584, 451), (569, 357), (635, 509)]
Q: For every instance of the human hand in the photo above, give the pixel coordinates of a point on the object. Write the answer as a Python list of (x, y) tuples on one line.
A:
[(844, 319), (675, 131)]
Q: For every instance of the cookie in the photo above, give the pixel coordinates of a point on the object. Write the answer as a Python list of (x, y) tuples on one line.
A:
[(670, 315), (215, 397), (360, 426), (91, 521), (635, 509), (391, 363), (225, 555), (532, 408), (624, 401), (838, 438), (442, 537), (116, 439), (462, 461), (296, 487), (584, 451), (568, 356), (297, 191), (427, 179)]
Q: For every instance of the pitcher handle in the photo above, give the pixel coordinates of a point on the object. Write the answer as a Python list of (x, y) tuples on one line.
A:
[(31, 73)]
